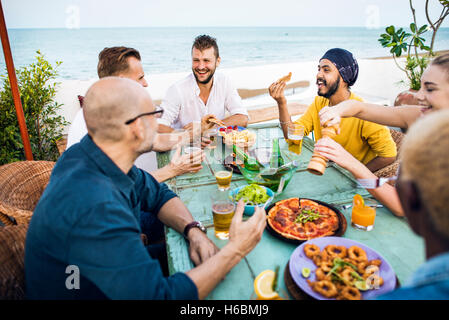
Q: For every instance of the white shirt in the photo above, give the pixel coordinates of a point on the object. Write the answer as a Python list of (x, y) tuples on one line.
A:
[(182, 103), (78, 130)]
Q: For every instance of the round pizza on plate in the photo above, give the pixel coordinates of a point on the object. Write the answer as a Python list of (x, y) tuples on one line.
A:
[(302, 219)]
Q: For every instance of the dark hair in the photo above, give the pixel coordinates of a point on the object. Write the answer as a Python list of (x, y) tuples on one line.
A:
[(112, 61), (205, 42)]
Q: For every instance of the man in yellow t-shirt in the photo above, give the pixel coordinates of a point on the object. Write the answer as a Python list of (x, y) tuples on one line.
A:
[(368, 142)]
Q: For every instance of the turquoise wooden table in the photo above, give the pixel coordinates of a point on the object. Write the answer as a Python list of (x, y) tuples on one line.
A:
[(391, 236)]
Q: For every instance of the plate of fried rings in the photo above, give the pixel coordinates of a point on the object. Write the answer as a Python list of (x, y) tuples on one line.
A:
[(340, 269)]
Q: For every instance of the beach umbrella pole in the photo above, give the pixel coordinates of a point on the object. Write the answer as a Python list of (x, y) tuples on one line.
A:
[(14, 87)]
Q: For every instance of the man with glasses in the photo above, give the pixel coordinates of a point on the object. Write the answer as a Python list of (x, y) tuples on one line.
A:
[(83, 240), (126, 62)]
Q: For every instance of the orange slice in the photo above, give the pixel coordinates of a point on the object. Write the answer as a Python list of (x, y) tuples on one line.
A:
[(263, 285), (358, 201)]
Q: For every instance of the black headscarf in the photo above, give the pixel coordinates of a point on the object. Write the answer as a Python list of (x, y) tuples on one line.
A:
[(345, 63)]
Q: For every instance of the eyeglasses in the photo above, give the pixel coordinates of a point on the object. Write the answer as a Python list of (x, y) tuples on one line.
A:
[(158, 110)]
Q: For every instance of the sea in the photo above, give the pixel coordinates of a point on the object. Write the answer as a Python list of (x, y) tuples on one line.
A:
[(167, 49)]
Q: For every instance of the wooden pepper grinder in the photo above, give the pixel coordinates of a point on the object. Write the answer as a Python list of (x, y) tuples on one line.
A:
[(317, 164)]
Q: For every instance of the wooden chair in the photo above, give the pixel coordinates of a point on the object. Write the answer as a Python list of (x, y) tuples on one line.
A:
[(392, 169)]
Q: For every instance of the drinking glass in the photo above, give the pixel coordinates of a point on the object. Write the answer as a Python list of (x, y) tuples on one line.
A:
[(192, 150), (295, 136), (223, 209), (224, 178), (363, 216), (212, 136)]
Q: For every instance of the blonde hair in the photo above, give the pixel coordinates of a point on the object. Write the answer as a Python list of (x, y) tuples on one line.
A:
[(425, 161)]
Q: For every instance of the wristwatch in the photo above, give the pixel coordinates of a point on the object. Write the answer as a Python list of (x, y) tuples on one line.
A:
[(194, 224)]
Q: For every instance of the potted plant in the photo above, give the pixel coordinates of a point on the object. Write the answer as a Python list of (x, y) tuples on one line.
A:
[(413, 44)]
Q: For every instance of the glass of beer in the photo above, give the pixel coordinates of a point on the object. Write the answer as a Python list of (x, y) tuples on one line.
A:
[(192, 150), (295, 135), (211, 135), (224, 178), (223, 209)]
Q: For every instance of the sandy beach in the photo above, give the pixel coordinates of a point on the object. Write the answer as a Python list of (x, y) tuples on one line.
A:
[(378, 82)]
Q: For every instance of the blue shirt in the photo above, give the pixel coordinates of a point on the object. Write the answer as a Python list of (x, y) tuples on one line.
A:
[(429, 282), (88, 217)]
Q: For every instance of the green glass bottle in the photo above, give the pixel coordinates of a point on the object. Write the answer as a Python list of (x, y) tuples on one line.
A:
[(276, 159), (250, 163)]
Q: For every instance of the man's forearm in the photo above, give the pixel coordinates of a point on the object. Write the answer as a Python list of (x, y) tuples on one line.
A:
[(236, 120), (284, 117), (175, 214), (163, 173), (379, 163), (165, 142), (162, 128), (207, 275)]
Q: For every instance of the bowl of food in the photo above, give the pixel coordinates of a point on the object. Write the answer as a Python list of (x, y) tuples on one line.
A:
[(274, 178), (277, 182), (253, 195), (239, 136)]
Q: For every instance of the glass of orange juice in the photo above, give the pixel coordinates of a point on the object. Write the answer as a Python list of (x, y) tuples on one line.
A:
[(363, 214)]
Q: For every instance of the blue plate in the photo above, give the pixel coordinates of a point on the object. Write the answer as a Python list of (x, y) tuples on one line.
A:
[(249, 209)]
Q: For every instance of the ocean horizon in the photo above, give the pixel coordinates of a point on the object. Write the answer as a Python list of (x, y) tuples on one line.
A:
[(167, 49)]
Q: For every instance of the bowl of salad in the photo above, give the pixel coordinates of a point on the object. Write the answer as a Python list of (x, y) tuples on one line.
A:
[(253, 195)]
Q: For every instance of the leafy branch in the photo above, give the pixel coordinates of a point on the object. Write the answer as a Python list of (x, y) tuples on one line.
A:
[(400, 41), (37, 91)]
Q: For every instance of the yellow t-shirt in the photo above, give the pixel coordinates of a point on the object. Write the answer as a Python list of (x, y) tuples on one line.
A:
[(365, 140)]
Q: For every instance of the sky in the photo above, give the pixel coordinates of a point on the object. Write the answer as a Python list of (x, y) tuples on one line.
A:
[(166, 13)]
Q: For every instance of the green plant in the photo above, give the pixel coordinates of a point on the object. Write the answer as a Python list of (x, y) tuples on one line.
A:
[(45, 127), (399, 41)]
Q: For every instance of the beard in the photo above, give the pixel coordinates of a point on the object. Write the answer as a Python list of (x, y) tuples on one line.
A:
[(212, 72), (331, 89)]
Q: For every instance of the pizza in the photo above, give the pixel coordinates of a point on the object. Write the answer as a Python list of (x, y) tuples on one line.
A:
[(302, 219)]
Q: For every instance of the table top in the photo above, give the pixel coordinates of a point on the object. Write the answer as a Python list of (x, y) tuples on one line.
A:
[(391, 236)]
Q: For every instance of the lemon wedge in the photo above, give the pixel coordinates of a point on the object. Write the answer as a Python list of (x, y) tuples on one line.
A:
[(358, 201), (361, 285), (263, 285), (305, 272)]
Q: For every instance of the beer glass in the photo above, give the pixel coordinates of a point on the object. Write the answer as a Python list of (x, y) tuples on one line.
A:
[(295, 135), (223, 209)]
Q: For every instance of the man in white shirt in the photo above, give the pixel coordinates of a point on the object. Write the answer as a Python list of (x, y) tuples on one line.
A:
[(126, 62), (203, 94)]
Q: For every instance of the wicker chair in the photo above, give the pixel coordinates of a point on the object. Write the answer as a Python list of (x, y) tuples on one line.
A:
[(391, 170), (12, 256), (21, 186)]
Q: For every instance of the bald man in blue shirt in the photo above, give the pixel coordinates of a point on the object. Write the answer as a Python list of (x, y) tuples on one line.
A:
[(87, 219)]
